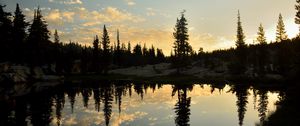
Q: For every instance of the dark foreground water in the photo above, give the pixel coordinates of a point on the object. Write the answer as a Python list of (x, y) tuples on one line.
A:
[(138, 104)]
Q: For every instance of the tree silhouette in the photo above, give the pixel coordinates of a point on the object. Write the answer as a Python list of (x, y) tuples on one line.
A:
[(262, 52), (5, 34), (106, 54), (118, 52), (97, 98), (96, 54), (107, 101), (86, 94), (262, 104), (240, 42), (280, 31), (181, 46), (38, 40), (182, 107), (19, 35), (239, 63), (241, 92), (59, 105), (261, 35)]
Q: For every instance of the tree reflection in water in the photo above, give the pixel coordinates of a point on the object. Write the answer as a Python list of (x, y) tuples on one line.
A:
[(241, 92), (182, 107), (45, 108)]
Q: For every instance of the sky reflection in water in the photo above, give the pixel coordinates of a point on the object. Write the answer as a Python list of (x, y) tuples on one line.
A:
[(158, 108)]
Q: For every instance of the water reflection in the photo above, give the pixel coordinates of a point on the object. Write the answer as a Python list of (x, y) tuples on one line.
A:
[(127, 103), (182, 107)]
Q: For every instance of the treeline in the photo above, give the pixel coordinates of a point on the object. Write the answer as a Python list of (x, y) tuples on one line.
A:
[(255, 60), (29, 44)]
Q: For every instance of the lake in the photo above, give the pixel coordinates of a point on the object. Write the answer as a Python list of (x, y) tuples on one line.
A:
[(140, 104)]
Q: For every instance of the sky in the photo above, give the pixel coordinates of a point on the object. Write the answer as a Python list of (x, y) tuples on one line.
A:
[(211, 23)]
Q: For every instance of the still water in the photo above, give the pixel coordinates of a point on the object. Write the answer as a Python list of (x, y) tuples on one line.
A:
[(138, 104)]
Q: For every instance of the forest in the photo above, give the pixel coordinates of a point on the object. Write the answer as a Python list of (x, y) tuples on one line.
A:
[(28, 44)]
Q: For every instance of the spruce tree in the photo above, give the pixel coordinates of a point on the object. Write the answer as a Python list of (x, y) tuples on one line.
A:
[(261, 35), (262, 52), (118, 50), (96, 54), (56, 37), (106, 56), (280, 32), (38, 40), (239, 63), (5, 34), (181, 46), (19, 34), (240, 42)]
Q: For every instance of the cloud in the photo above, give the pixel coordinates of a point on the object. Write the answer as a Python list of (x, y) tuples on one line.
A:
[(57, 18), (91, 23), (106, 15), (130, 2), (150, 12), (66, 1)]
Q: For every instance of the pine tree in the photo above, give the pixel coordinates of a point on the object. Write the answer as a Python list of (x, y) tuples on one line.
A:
[(38, 40), (106, 56), (238, 65), (297, 18), (19, 34), (96, 54), (118, 50), (261, 35), (19, 26), (261, 53), (181, 45), (56, 37), (5, 34), (280, 32), (240, 42), (129, 47)]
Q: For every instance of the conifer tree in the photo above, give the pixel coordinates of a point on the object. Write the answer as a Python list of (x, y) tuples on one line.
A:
[(262, 52), (181, 46), (5, 34), (96, 54), (19, 26), (19, 34), (280, 32), (261, 35), (106, 56), (118, 50), (239, 64), (38, 40), (56, 37), (240, 42)]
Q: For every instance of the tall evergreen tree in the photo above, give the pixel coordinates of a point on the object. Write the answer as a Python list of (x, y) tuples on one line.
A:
[(38, 40), (262, 52), (56, 37), (19, 34), (297, 18), (118, 50), (261, 35), (239, 64), (240, 42), (181, 45), (96, 54), (280, 32), (106, 56), (5, 34)]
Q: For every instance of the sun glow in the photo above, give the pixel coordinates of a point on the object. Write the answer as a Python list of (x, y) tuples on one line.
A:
[(291, 28)]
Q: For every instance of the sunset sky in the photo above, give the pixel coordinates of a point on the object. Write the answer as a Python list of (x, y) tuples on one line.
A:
[(212, 23)]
